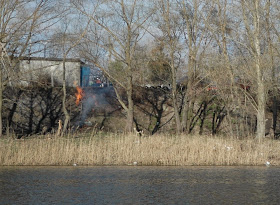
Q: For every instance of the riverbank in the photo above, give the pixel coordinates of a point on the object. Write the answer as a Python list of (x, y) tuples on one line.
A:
[(135, 150)]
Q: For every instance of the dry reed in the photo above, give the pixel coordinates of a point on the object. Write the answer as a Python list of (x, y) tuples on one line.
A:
[(132, 150)]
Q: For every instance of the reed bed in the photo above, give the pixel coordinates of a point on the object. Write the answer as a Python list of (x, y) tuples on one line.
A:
[(135, 150)]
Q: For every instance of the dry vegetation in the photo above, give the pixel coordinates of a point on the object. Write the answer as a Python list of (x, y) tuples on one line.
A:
[(132, 150)]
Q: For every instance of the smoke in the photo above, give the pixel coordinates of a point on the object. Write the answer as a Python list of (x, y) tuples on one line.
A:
[(94, 99)]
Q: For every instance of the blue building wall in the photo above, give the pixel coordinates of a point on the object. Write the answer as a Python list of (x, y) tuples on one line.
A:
[(85, 73)]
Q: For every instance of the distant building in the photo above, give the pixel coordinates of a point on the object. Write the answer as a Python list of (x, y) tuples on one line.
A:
[(50, 70)]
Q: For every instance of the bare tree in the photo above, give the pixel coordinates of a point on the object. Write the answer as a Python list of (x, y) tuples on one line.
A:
[(168, 24), (117, 30), (243, 33), (21, 27), (220, 67), (252, 17), (195, 16), (64, 40), (72, 43), (272, 28), (185, 35)]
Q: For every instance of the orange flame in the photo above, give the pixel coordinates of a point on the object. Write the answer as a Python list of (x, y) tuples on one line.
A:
[(79, 95)]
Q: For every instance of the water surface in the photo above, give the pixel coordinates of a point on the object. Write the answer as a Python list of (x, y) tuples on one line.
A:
[(139, 185)]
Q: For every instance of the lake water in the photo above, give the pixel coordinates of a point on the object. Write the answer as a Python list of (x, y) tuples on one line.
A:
[(139, 185)]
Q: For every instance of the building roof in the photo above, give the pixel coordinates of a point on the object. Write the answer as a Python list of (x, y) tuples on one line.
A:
[(51, 59)]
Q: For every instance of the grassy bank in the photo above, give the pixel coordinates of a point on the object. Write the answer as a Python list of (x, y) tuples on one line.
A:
[(132, 150)]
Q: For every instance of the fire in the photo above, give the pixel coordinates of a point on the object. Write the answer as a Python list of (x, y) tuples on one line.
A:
[(79, 95)]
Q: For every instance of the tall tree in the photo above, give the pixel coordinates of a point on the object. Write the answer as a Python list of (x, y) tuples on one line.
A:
[(195, 17), (66, 40), (21, 28), (221, 72), (118, 28), (184, 34), (272, 10), (168, 25), (252, 17)]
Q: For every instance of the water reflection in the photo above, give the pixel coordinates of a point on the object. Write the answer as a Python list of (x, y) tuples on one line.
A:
[(139, 185)]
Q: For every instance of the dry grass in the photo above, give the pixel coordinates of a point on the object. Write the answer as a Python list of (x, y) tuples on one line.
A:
[(131, 149)]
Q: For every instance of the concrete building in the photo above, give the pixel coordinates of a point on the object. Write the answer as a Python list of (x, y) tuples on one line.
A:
[(50, 70)]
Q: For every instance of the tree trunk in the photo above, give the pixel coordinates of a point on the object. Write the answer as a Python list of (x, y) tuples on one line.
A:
[(188, 99), (130, 111), (1, 103), (275, 114), (65, 112), (261, 105), (175, 98), (253, 33), (185, 111), (31, 115), (260, 93), (260, 81), (176, 111), (130, 106)]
